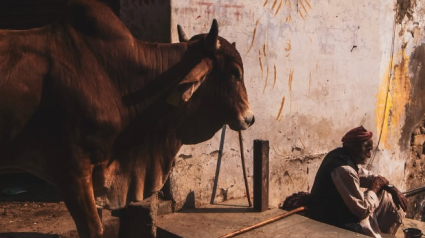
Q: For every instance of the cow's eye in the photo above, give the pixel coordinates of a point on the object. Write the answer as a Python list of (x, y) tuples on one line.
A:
[(236, 74)]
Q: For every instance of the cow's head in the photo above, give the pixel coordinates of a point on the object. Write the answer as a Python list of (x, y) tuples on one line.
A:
[(214, 90)]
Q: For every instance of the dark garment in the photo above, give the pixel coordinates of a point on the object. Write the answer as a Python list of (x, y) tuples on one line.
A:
[(325, 203)]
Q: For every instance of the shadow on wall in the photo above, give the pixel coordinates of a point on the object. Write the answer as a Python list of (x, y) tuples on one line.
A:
[(27, 14)]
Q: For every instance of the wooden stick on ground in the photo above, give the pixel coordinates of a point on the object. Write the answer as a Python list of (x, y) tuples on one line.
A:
[(240, 231), (217, 171), (244, 168)]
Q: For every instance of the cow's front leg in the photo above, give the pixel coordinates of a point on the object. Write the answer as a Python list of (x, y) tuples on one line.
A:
[(79, 199)]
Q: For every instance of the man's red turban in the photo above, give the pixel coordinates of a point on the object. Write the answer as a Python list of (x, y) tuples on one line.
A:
[(357, 134)]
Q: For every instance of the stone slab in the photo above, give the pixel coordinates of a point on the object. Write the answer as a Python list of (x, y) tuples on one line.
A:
[(218, 220)]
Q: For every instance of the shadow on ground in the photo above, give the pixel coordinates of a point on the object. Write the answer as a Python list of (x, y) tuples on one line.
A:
[(36, 189)]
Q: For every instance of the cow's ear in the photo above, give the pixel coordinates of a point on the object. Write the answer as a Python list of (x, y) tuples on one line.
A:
[(234, 44), (188, 86), (211, 41), (182, 35)]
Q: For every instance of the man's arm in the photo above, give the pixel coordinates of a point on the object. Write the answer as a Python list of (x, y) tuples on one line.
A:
[(347, 183), (366, 177), (398, 197)]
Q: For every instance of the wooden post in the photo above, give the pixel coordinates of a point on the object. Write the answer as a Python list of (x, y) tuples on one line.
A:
[(261, 175)]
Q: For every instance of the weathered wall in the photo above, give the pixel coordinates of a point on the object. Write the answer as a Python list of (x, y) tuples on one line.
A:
[(313, 70), (415, 168)]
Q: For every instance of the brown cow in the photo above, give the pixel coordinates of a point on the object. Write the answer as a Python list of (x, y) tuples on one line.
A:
[(89, 108)]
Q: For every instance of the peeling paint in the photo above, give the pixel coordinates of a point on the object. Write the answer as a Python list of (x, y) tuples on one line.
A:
[(267, 77), (261, 64), (290, 78), (302, 5), (308, 4), (288, 19), (415, 172), (288, 3), (416, 108), (278, 8), (405, 8), (281, 107), (299, 11), (288, 46), (274, 4), (253, 36)]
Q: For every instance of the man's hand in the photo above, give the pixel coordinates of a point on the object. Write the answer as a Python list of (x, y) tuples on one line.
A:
[(377, 183), (399, 199)]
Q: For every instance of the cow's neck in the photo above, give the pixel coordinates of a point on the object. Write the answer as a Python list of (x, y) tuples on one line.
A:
[(145, 160), (141, 164), (160, 68)]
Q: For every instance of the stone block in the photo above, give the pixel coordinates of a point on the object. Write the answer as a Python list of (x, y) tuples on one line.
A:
[(138, 219)]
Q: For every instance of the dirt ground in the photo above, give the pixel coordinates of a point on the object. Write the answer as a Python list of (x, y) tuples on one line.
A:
[(41, 213), (37, 213)]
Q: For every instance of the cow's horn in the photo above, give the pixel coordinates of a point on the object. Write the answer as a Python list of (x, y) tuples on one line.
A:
[(182, 35), (211, 42)]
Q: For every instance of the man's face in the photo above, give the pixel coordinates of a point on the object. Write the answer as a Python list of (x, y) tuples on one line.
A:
[(363, 151)]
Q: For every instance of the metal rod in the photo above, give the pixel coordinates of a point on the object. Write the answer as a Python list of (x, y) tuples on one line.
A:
[(217, 171), (240, 231), (414, 191), (244, 169)]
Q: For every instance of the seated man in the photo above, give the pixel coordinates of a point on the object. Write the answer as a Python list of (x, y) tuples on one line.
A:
[(336, 197)]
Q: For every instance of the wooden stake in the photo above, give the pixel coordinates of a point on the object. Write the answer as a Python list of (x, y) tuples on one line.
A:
[(217, 171), (244, 169)]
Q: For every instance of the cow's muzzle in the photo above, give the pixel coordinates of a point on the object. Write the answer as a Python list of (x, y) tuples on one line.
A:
[(250, 121), (244, 121)]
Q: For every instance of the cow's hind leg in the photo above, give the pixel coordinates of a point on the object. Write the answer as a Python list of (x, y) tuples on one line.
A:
[(79, 199)]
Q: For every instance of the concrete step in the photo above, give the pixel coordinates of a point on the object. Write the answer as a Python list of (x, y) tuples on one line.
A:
[(221, 219)]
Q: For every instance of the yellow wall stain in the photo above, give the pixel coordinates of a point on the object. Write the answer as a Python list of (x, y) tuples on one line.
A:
[(389, 118)]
